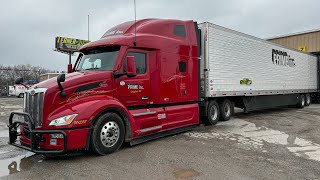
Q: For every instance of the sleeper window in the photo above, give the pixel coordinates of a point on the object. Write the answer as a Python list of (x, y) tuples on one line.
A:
[(179, 30), (182, 66)]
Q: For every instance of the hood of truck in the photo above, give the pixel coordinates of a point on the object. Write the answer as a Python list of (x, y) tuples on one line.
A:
[(76, 78), (78, 86)]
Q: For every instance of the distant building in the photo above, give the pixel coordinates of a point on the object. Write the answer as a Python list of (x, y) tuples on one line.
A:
[(307, 41), (46, 76)]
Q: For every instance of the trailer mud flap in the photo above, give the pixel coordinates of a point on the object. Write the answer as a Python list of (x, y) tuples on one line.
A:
[(19, 118), (203, 107)]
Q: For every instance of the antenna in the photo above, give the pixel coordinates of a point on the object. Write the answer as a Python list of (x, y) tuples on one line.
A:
[(135, 24), (88, 27)]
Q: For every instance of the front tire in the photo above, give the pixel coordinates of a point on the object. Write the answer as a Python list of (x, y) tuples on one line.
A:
[(21, 95), (213, 113), (108, 134)]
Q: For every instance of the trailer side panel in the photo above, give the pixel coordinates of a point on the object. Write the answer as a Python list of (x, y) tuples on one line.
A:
[(236, 64)]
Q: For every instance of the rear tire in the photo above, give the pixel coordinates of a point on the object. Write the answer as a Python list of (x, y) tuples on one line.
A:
[(301, 102), (108, 134), (308, 100), (226, 110), (213, 113), (21, 95)]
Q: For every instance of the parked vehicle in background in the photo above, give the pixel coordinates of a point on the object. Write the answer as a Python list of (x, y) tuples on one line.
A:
[(127, 88), (12, 91), (20, 89)]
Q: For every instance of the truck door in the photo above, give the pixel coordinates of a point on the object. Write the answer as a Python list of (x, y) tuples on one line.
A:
[(135, 93)]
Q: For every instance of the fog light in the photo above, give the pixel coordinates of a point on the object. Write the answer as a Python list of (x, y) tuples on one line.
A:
[(56, 136)]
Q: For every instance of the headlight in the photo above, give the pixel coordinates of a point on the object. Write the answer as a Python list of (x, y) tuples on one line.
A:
[(62, 121)]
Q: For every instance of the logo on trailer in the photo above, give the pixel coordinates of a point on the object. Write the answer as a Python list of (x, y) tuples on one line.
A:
[(282, 58), (246, 81)]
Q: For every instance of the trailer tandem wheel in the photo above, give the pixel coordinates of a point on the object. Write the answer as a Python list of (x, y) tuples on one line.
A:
[(301, 101), (213, 113), (308, 100), (226, 110)]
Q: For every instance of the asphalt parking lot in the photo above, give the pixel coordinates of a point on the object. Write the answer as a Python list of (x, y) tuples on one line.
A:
[(274, 144)]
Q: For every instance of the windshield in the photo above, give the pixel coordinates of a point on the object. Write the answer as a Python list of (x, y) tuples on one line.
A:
[(100, 59)]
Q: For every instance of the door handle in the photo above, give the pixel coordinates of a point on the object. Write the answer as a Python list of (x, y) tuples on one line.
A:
[(145, 98)]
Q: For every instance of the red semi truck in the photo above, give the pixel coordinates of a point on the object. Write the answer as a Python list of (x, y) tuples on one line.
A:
[(152, 78)]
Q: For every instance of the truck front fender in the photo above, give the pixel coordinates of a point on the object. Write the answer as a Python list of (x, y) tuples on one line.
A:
[(124, 115), (89, 109)]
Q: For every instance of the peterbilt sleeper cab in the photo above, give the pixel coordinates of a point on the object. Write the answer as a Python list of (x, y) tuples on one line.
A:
[(126, 87)]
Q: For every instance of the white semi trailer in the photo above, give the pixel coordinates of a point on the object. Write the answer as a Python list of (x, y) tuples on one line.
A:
[(247, 72)]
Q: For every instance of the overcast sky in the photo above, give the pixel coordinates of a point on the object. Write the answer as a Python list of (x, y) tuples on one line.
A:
[(28, 27)]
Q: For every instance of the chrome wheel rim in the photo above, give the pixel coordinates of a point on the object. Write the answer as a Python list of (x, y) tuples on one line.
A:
[(308, 99), (227, 110), (302, 101), (213, 113), (109, 134)]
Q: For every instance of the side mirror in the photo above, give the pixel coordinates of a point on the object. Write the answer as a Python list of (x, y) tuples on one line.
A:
[(19, 80), (61, 78), (131, 66), (69, 68)]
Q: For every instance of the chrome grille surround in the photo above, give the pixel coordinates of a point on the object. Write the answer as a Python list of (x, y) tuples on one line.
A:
[(33, 104)]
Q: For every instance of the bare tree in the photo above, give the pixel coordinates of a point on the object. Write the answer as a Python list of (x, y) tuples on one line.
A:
[(8, 74)]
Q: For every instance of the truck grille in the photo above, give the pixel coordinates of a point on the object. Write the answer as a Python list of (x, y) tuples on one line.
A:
[(34, 106)]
